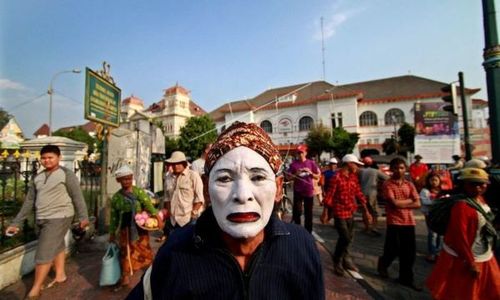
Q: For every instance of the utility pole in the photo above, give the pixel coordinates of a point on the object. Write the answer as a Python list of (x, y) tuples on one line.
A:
[(491, 66)]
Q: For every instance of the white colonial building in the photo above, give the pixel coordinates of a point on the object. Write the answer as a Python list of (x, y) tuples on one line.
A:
[(374, 109), (173, 110)]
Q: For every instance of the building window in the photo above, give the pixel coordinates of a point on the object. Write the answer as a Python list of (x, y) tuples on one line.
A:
[(368, 118), (339, 119), (394, 116), (334, 124), (267, 126), (305, 123)]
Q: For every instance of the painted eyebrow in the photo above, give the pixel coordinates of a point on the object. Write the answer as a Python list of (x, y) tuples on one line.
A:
[(223, 170), (256, 169), (259, 170)]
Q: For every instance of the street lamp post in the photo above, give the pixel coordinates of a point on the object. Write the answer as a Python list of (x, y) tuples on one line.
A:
[(332, 108), (50, 91)]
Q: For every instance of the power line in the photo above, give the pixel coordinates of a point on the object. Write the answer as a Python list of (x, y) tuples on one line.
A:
[(25, 102), (68, 97)]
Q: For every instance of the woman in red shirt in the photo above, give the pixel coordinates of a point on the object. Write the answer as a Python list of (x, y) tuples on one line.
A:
[(467, 268)]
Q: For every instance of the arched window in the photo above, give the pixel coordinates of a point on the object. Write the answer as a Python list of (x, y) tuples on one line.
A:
[(368, 118), (305, 123), (394, 115), (267, 126)]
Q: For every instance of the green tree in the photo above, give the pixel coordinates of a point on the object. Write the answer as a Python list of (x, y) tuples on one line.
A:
[(4, 117), (319, 139), (406, 134), (343, 142), (78, 134), (171, 144), (196, 134)]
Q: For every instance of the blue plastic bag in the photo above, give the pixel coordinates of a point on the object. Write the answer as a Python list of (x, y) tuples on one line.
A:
[(110, 271)]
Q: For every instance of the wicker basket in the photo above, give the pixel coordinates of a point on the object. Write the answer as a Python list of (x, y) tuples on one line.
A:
[(149, 228)]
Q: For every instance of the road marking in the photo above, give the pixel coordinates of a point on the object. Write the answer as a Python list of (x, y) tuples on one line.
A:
[(318, 238), (355, 275)]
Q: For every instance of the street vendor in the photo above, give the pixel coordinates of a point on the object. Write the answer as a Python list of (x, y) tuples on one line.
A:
[(126, 205)]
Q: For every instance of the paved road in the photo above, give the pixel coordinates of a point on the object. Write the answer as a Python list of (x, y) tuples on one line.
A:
[(83, 278), (365, 251), (84, 266)]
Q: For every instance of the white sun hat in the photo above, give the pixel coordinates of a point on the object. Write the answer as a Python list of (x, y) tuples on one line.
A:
[(333, 160), (352, 158), (176, 157), (123, 171)]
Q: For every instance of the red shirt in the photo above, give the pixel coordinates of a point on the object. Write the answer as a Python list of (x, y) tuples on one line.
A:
[(418, 170), (343, 190), (399, 190), (461, 230)]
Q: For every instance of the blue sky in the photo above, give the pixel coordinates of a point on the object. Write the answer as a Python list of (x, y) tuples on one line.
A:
[(225, 50)]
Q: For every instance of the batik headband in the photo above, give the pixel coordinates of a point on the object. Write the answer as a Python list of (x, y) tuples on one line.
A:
[(248, 135)]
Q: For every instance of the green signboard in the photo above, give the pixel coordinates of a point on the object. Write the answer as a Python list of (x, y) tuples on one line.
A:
[(102, 100)]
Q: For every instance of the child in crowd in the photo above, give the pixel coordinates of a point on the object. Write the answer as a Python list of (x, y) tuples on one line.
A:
[(431, 191)]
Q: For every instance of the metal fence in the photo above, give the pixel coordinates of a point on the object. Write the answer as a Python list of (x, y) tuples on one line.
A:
[(90, 183), (16, 171)]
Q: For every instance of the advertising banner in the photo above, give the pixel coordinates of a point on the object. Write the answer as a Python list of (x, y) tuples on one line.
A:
[(437, 136)]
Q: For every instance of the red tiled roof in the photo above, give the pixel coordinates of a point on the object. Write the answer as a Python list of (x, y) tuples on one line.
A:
[(305, 93), (87, 127), (156, 107), (195, 109), (479, 102), (43, 130), (132, 100), (177, 89), (394, 89), (401, 88)]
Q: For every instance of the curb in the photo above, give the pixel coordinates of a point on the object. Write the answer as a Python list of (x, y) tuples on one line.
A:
[(355, 275)]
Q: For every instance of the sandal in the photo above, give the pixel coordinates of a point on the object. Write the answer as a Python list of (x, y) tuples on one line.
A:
[(161, 239), (54, 284)]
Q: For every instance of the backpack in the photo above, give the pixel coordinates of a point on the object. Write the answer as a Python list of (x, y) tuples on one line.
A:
[(440, 211)]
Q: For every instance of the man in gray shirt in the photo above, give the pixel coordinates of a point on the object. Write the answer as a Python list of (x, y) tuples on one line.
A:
[(369, 178), (55, 195)]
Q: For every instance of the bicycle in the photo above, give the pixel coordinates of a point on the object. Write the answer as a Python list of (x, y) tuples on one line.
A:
[(285, 205)]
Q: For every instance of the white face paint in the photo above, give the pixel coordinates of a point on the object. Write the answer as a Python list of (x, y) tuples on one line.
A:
[(242, 189)]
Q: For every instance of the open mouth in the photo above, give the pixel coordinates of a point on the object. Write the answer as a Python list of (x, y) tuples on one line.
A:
[(243, 217)]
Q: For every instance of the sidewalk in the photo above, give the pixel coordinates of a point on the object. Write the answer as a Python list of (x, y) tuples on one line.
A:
[(83, 269), (365, 251)]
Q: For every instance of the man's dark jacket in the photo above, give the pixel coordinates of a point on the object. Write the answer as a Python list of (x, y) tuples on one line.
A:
[(195, 264)]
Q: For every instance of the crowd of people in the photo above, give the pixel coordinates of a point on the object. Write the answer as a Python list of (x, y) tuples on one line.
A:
[(466, 248), (222, 240)]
